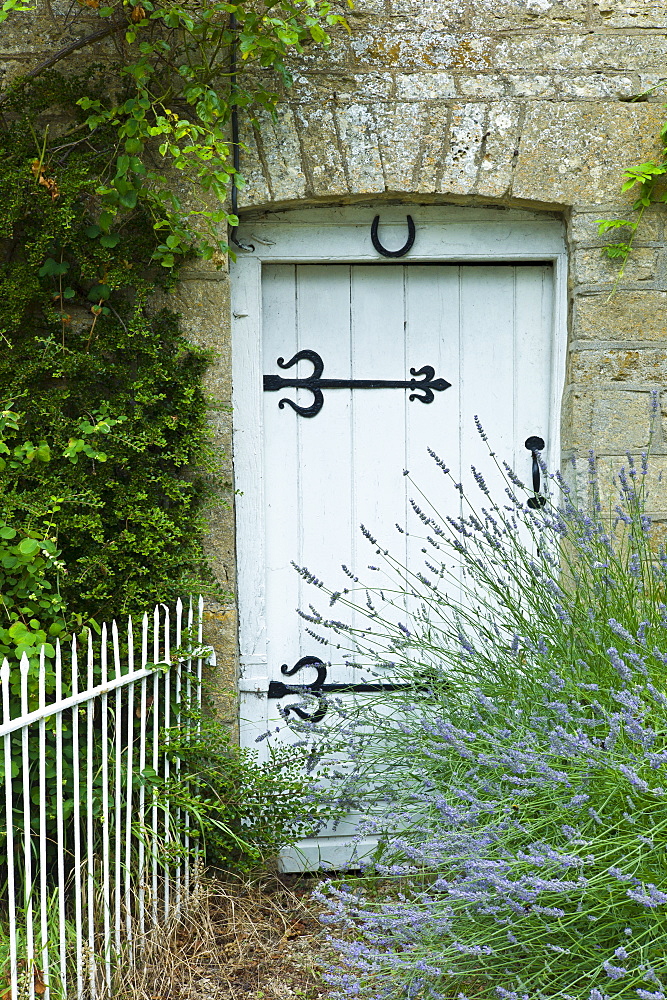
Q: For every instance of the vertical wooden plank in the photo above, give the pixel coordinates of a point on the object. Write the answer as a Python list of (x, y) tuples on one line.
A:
[(319, 503), (247, 401), (282, 470), (533, 361), (487, 374), (433, 337), (378, 431)]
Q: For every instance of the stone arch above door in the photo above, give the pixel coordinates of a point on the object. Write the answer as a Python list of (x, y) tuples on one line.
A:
[(545, 152)]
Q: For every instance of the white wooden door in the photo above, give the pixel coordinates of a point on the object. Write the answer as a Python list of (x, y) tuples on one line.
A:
[(485, 328)]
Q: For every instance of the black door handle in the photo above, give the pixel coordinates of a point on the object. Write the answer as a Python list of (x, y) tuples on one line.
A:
[(535, 445)]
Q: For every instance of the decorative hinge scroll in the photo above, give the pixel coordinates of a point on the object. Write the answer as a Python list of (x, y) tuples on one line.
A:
[(319, 689)]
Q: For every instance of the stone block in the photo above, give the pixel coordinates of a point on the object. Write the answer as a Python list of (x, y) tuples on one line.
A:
[(282, 154), (471, 52), (466, 136), (630, 13), (653, 82), (526, 14), (434, 141), (580, 52), (202, 299), (360, 148), (482, 85), (592, 266), (36, 37), (220, 631), (256, 189), (322, 157), (402, 48), (652, 484), (641, 367), (502, 135), (575, 153), (441, 14), (614, 422), (399, 129), (629, 315), (594, 86), (530, 85), (433, 86), (340, 87), (583, 228)]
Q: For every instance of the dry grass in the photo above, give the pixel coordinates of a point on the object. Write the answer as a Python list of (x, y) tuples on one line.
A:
[(259, 939)]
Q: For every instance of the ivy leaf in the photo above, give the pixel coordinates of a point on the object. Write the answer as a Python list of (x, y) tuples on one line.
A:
[(28, 547), (52, 268), (129, 199), (617, 250), (605, 224)]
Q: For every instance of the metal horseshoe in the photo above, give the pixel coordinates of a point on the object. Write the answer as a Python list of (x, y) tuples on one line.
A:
[(392, 253)]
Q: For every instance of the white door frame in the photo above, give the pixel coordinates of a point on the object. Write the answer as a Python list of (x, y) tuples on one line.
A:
[(444, 234)]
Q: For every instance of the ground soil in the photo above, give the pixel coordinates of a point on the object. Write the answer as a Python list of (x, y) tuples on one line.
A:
[(258, 939)]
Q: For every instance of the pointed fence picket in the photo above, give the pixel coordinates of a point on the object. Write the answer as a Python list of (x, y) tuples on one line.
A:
[(91, 859)]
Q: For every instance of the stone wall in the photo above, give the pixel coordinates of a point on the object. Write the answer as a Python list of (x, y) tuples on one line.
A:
[(528, 104), (525, 103)]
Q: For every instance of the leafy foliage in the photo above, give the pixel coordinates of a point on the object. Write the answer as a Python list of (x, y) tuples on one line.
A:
[(105, 383), (246, 810), (13, 5), (170, 111), (648, 176)]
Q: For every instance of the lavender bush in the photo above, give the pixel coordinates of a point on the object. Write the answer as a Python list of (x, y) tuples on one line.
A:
[(522, 763)]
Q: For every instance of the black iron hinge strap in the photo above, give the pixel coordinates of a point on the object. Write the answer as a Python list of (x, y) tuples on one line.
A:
[(423, 383), (318, 688)]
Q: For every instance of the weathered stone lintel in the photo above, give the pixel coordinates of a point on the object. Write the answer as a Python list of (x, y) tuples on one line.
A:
[(541, 152)]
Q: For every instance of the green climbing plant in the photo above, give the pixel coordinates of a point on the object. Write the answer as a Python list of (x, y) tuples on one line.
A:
[(648, 178), (110, 466), (184, 68), (13, 5)]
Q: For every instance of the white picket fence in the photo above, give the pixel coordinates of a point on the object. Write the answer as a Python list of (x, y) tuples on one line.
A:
[(90, 869)]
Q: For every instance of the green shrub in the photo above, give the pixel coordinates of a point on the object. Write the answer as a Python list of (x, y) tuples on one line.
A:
[(82, 345), (245, 810)]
